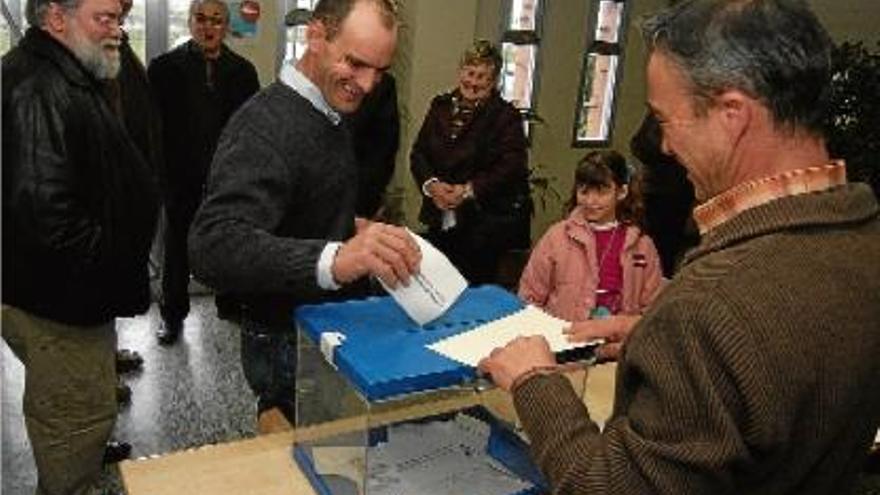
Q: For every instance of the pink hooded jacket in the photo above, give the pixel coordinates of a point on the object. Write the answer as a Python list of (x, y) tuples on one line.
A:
[(562, 273)]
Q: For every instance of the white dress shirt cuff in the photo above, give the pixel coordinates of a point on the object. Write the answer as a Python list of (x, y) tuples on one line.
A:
[(325, 265), (428, 183)]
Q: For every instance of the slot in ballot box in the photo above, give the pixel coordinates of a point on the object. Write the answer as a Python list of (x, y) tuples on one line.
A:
[(364, 366)]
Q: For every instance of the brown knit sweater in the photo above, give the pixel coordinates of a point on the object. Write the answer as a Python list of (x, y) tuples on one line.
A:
[(756, 371)]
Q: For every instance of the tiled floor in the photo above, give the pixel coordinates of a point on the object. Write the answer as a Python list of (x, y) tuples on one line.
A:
[(189, 394)]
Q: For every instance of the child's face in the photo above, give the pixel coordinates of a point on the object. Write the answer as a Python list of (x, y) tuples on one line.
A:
[(599, 204)]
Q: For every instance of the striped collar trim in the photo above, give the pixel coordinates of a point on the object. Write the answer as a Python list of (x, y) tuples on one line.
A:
[(749, 195)]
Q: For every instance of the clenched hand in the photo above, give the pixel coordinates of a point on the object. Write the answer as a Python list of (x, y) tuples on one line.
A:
[(385, 251)]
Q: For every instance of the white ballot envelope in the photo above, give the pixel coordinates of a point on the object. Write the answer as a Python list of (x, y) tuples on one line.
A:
[(472, 346), (433, 289)]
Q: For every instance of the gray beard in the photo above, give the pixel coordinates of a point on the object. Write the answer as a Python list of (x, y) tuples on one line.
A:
[(95, 57)]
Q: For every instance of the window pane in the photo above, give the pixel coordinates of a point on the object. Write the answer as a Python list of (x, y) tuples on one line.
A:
[(295, 36), (10, 34), (609, 20), (178, 15), (5, 36), (517, 73), (597, 98), (136, 27), (524, 14)]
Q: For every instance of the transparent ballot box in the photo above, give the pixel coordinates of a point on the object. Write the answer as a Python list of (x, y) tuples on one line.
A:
[(378, 413)]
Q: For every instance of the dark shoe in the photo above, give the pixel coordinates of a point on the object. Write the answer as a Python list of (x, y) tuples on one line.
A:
[(169, 331), (116, 451), (128, 361), (123, 394), (227, 308)]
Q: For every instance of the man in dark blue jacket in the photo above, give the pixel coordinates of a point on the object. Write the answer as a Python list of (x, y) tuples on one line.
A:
[(79, 209), (199, 85)]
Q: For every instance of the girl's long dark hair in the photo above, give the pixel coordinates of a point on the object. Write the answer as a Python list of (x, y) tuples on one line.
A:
[(599, 168)]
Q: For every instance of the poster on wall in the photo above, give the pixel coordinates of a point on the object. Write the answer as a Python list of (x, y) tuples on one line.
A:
[(244, 16)]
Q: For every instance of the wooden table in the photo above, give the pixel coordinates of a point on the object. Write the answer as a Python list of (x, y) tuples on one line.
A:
[(264, 465)]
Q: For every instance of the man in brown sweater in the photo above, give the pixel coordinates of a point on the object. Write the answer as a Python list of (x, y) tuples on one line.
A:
[(757, 369)]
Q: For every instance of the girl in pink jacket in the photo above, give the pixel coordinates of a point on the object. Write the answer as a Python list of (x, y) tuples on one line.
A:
[(597, 264)]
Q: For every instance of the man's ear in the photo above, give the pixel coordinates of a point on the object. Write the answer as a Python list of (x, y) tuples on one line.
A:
[(316, 34), (736, 111), (55, 20)]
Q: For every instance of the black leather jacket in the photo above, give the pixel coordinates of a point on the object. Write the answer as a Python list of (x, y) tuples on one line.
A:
[(79, 201)]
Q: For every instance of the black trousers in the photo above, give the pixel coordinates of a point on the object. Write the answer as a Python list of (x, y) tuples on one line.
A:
[(269, 361), (175, 273), (478, 262), (479, 240)]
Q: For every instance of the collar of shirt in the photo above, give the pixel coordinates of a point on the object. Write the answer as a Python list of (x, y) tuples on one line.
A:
[(301, 84), (192, 47), (748, 195), (603, 227)]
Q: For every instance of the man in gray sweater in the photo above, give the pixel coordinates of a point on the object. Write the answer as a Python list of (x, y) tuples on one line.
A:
[(277, 227), (756, 370)]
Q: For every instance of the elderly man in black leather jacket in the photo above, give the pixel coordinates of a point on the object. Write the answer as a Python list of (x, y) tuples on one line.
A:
[(79, 209)]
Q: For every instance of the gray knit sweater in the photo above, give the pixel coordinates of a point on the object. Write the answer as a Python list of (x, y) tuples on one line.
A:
[(756, 371), (282, 184)]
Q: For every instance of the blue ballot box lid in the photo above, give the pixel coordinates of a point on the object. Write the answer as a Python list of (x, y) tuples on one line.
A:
[(384, 352)]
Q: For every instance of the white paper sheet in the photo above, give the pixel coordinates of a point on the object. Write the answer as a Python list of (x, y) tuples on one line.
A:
[(441, 457), (438, 457), (472, 346), (433, 289)]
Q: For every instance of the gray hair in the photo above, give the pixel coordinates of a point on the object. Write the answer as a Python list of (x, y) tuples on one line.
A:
[(483, 52), (776, 51), (195, 4), (35, 10)]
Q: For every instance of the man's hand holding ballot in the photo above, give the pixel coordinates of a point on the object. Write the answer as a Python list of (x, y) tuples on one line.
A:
[(435, 285), (385, 251)]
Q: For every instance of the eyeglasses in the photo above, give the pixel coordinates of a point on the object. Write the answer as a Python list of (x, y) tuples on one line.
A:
[(107, 20), (214, 22)]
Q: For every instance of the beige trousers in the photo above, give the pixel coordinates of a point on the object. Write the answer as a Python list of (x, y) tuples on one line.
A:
[(69, 397)]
